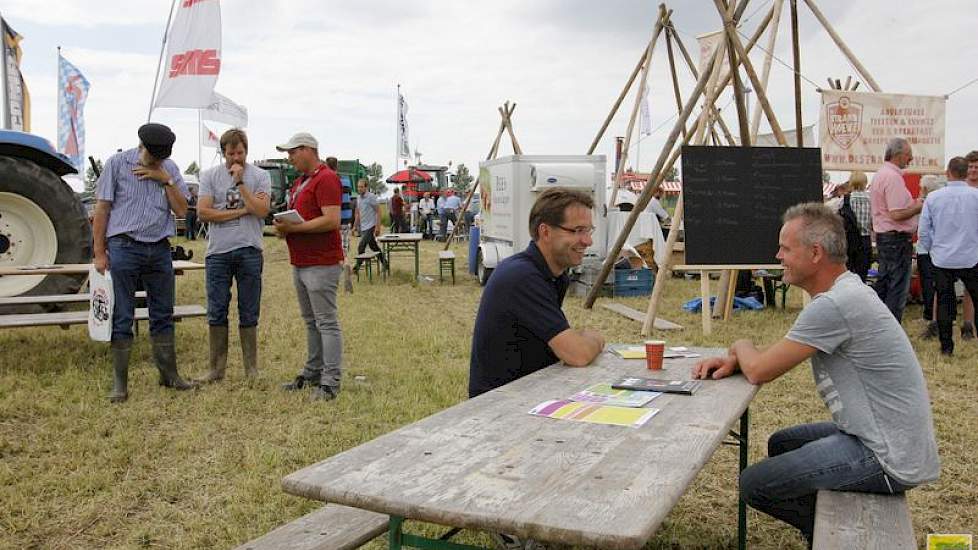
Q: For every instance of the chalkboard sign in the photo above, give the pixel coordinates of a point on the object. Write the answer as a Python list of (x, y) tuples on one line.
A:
[(734, 198)]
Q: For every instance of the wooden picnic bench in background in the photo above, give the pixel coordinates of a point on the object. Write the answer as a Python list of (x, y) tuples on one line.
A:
[(64, 319), (845, 520)]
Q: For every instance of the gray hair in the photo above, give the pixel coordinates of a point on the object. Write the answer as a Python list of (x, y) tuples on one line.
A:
[(821, 226), (894, 147), (930, 183)]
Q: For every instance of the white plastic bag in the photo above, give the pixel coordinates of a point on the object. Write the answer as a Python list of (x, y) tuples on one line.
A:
[(100, 306)]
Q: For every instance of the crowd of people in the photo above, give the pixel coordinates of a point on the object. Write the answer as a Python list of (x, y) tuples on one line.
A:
[(881, 437)]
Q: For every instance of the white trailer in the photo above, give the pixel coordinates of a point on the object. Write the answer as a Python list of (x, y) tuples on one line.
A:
[(509, 186)]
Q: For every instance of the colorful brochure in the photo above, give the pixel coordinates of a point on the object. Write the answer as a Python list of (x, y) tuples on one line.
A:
[(604, 394), (593, 413)]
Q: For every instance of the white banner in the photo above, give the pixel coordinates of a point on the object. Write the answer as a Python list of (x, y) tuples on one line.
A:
[(770, 140), (403, 150), (193, 55), (854, 128), (222, 109), (208, 138), (17, 110), (709, 43), (645, 119)]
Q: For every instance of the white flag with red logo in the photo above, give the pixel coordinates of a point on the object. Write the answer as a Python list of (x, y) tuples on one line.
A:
[(193, 55), (208, 138)]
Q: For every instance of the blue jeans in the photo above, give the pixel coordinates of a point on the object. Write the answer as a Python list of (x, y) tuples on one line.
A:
[(245, 266), (315, 287), (895, 252), (805, 459), (130, 262)]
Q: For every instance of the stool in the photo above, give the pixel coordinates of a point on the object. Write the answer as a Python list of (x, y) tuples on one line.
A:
[(446, 264), (368, 259)]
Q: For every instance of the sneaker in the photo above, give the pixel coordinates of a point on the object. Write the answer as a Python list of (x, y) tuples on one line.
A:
[(967, 331), (930, 332), (323, 393), (299, 383)]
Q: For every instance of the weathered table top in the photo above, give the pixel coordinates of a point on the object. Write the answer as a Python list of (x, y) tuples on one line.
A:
[(79, 269), (487, 464)]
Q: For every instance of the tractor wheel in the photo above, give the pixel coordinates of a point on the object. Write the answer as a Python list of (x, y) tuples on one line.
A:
[(482, 271), (41, 222)]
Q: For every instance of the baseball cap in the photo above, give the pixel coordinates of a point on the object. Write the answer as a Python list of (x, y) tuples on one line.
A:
[(157, 139), (302, 139)]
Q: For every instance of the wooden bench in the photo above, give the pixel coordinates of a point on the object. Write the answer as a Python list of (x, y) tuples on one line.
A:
[(332, 527), (846, 520), (446, 264), (368, 258), (52, 299), (64, 319)]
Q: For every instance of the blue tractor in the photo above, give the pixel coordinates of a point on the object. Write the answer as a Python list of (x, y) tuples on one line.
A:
[(42, 221)]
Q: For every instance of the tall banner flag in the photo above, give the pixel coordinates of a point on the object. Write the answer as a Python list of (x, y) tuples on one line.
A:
[(17, 110), (222, 109), (854, 128), (403, 150), (72, 93), (645, 119), (709, 43), (193, 56), (208, 138)]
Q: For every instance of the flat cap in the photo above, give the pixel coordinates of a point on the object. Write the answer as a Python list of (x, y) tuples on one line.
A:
[(157, 139)]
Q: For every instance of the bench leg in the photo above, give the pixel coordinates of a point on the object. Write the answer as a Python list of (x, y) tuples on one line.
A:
[(744, 440), (398, 539)]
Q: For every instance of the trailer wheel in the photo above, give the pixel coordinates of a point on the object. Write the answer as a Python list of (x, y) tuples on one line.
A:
[(482, 271), (41, 222)]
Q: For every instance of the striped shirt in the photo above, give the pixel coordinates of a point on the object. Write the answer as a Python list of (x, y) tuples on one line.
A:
[(139, 205)]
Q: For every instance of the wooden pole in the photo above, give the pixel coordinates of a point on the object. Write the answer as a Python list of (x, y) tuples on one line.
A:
[(838, 41), (772, 37), (621, 97), (675, 79), (731, 31), (643, 199), (796, 54), (639, 98)]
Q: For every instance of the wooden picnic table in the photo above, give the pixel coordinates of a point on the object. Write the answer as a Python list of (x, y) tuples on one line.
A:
[(402, 242), (487, 464), (179, 267)]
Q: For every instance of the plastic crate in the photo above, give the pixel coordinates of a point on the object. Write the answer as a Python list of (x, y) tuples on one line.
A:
[(633, 282)]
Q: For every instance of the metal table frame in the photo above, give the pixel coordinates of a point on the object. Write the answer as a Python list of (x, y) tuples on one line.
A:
[(402, 242)]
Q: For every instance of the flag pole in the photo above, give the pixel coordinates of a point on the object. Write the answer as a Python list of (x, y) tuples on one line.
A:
[(200, 142), (397, 128), (159, 64)]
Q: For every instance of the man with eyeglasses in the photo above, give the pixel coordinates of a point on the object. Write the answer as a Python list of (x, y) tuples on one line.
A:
[(520, 327)]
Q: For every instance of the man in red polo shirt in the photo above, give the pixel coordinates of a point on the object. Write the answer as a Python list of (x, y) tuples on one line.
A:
[(316, 255)]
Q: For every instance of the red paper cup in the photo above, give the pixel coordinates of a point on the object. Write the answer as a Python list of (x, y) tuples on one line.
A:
[(654, 350)]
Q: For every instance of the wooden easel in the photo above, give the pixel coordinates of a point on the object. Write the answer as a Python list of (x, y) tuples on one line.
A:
[(505, 125), (708, 85)]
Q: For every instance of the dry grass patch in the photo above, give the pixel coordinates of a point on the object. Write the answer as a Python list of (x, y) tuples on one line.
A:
[(202, 469)]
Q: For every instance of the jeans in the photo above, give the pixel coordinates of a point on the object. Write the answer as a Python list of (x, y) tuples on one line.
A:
[(190, 224), (367, 238), (805, 459), (893, 282), (445, 216), (315, 287), (245, 266), (859, 262), (928, 287), (130, 262), (427, 224), (947, 300)]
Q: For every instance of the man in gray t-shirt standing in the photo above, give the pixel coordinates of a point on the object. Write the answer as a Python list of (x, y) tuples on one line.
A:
[(366, 220), (881, 438), (234, 200)]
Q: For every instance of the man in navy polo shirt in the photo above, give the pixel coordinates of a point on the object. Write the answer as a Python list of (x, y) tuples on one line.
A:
[(520, 327)]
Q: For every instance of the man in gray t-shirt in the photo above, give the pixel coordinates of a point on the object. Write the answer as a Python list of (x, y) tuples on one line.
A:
[(234, 200), (881, 438), (366, 220)]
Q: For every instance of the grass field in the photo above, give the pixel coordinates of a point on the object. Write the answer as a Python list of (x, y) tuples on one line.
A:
[(202, 469)]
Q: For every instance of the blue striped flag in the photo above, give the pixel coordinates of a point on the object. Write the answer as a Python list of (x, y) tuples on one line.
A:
[(72, 93)]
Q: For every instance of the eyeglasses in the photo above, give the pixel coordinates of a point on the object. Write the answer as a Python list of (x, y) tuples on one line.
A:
[(578, 231)]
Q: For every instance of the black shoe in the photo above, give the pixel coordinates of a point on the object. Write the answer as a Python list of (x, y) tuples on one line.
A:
[(967, 331), (299, 383), (323, 393), (947, 352), (931, 331)]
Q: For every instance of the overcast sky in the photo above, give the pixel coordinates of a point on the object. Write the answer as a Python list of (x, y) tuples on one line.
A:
[(332, 67)]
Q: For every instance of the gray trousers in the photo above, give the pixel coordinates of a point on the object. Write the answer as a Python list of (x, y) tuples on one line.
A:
[(315, 286)]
